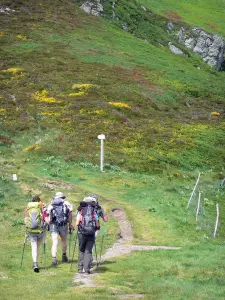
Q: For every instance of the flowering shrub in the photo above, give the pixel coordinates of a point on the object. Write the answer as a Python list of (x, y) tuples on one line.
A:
[(2, 110), (50, 113), (82, 86), (22, 37), (81, 89), (215, 113), (43, 97), (119, 105), (99, 112), (13, 70), (32, 147)]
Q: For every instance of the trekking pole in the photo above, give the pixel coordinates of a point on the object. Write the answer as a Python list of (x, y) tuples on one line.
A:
[(24, 244), (74, 249), (103, 235), (70, 233), (45, 249), (96, 255)]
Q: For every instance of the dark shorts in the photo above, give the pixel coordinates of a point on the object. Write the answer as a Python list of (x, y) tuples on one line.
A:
[(36, 237), (60, 230)]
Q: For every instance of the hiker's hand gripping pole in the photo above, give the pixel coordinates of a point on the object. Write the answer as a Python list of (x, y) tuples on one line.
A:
[(70, 238)]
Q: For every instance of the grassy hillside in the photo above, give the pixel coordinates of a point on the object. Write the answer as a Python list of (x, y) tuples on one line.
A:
[(65, 78), (66, 70), (208, 15)]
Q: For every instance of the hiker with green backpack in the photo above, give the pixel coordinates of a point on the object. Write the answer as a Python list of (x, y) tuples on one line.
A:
[(36, 218), (60, 217)]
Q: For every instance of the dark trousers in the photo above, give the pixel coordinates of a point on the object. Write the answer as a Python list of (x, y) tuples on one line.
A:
[(86, 243)]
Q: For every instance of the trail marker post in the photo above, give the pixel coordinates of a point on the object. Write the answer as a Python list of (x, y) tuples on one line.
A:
[(101, 137), (14, 177), (217, 219)]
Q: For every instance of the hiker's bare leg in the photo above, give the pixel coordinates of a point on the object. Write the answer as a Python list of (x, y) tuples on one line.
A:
[(38, 248), (54, 244), (64, 243), (34, 251)]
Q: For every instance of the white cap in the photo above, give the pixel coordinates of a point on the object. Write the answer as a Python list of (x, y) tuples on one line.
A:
[(60, 195), (89, 199)]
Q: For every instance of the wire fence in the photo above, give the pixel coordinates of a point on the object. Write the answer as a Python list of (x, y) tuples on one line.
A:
[(205, 211)]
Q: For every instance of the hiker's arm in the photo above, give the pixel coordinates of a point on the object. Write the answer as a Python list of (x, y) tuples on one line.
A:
[(103, 215), (78, 219), (46, 217), (70, 218), (105, 218), (45, 214)]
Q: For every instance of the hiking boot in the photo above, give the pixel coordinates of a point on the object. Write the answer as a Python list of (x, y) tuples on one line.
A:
[(64, 258), (54, 261), (88, 272), (35, 267), (80, 271)]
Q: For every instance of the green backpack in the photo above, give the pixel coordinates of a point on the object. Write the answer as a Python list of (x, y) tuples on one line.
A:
[(33, 221)]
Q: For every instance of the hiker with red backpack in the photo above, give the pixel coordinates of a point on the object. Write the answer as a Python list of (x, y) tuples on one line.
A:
[(36, 218), (60, 214), (87, 222), (101, 214)]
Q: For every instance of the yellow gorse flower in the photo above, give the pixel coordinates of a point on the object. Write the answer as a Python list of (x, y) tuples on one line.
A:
[(119, 105), (22, 37), (82, 88), (1, 33), (215, 113), (100, 112), (2, 110), (43, 97), (50, 113), (13, 70), (32, 147)]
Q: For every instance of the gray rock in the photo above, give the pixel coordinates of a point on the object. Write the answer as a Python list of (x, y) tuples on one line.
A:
[(175, 50), (189, 43), (93, 7), (170, 26), (210, 47)]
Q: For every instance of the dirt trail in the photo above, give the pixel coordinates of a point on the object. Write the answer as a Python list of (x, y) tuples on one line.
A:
[(121, 247)]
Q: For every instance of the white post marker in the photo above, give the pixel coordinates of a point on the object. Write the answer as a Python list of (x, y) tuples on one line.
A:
[(217, 219), (101, 137), (198, 207), (192, 194), (14, 177)]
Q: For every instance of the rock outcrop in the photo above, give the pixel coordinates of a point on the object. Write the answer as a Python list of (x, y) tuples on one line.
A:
[(210, 47), (93, 7)]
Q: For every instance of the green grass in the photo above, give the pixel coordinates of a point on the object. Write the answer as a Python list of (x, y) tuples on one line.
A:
[(157, 208), (155, 146), (208, 15), (181, 274)]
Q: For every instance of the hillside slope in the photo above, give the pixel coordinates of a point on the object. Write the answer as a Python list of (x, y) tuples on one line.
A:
[(68, 76)]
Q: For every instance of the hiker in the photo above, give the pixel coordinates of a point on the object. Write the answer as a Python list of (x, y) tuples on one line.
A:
[(36, 218), (101, 214), (99, 209), (60, 215), (93, 198), (87, 223)]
